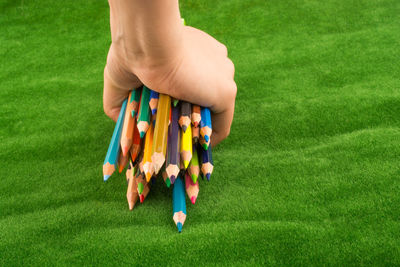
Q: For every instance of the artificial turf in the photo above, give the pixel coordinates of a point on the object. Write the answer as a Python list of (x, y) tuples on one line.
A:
[(308, 176)]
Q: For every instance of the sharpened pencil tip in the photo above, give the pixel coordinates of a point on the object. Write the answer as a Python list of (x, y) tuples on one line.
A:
[(205, 146), (141, 198), (148, 176), (105, 177), (207, 138), (142, 134), (133, 113), (172, 179), (179, 226), (208, 176), (168, 182), (125, 150), (153, 111), (186, 163), (140, 187), (184, 128), (193, 199), (194, 178)]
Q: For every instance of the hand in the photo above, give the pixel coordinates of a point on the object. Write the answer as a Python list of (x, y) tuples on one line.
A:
[(198, 71)]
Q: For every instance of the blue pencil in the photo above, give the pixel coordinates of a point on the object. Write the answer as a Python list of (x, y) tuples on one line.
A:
[(207, 165), (179, 203), (153, 101), (205, 126), (114, 148)]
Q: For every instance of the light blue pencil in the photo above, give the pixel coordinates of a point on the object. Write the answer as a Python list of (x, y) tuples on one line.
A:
[(179, 203), (114, 148)]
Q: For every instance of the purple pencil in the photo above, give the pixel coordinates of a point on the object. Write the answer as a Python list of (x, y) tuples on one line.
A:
[(172, 167)]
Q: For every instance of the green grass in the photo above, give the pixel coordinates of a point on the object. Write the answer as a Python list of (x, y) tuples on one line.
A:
[(308, 176)]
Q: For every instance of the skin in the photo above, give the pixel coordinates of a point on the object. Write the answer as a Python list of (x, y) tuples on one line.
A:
[(151, 46)]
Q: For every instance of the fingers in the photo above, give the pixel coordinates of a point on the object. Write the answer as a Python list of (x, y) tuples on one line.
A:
[(222, 121), (113, 96), (117, 84)]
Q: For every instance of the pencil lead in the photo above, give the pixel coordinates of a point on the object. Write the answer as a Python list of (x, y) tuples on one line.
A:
[(141, 198), (153, 111), (184, 128), (208, 176), (133, 113), (206, 137), (194, 178), (205, 146), (186, 163), (168, 182), (142, 134), (172, 178), (179, 226), (193, 199), (140, 187), (106, 176)]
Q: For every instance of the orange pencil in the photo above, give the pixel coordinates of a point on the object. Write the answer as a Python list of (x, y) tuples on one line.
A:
[(122, 161), (135, 148), (132, 194), (196, 116), (127, 129), (148, 146)]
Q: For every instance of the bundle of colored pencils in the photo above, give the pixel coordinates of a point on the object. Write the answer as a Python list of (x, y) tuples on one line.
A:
[(156, 138)]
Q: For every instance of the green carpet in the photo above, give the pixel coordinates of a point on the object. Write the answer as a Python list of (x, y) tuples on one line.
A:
[(308, 176)]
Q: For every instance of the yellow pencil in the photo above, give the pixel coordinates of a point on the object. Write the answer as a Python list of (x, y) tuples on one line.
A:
[(146, 162), (186, 146), (161, 132)]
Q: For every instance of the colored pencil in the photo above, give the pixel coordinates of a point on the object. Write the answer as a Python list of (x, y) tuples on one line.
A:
[(192, 188), (132, 194), (136, 141), (143, 187), (135, 100), (172, 168), (195, 133), (207, 162), (179, 203), (166, 179), (205, 126), (194, 168), (196, 116), (153, 102), (127, 130), (113, 149), (160, 132), (128, 172), (175, 102), (186, 147), (143, 119), (186, 113), (122, 161), (148, 145)]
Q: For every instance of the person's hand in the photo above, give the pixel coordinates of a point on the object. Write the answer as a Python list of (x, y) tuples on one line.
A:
[(195, 68)]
